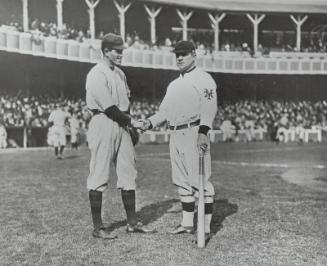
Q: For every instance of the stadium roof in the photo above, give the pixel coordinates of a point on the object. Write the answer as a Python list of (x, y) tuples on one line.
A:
[(262, 6)]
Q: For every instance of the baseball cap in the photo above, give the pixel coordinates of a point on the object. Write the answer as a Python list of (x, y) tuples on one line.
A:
[(184, 47), (113, 40)]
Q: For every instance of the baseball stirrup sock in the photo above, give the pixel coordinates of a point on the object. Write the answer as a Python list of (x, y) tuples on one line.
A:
[(96, 205), (61, 149), (188, 213), (208, 210), (128, 197), (56, 151)]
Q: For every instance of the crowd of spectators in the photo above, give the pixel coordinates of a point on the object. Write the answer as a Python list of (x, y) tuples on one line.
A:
[(20, 111)]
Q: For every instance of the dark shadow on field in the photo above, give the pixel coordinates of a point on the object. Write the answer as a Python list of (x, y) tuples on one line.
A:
[(71, 157), (147, 214), (222, 208)]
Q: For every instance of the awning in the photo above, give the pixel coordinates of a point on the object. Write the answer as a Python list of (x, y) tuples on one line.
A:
[(260, 6)]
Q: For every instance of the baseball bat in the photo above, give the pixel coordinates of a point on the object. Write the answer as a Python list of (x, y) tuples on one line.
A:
[(200, 226)]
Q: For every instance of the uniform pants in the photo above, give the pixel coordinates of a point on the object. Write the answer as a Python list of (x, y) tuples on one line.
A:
[(184, 156), (110, 143)]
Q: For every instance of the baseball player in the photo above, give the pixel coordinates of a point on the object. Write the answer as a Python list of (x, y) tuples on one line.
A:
[(57, 121), (189, 107), (74, 127), (3, 137), (107, 96)]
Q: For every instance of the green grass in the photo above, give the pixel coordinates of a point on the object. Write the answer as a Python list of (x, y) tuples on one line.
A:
[(259, 218)]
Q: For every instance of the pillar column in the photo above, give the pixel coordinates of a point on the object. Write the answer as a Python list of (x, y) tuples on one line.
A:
[(153, 13), (59, 14), (92, 4), (215, 20), (122, 9), (256, 20), (25, 15), (299, 20), (184, 17)]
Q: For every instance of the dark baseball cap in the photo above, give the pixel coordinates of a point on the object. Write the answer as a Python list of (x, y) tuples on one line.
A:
[(184, 47), (113, 41)]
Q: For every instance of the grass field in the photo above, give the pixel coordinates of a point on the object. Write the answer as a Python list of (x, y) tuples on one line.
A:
[(270, 209)]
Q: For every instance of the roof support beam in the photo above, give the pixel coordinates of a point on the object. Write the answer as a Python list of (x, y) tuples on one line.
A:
[(92, 4), (153, 13), (298, 22), (215, 20), (122, 9), (184, 17), (59, 14), (256, 20)]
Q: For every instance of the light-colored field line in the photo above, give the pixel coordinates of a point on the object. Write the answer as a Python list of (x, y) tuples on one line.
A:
[(17, 150), (323, 147), (156, 157), (269, 165)]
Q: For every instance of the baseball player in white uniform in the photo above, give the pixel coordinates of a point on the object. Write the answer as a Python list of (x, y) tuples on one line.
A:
[(3, 137), (57, 120), (189, 107), (107, 96)]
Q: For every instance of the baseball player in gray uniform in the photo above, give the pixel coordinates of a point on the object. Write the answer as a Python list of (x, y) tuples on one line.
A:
[(189, 107), (57, 120), (107, 96)]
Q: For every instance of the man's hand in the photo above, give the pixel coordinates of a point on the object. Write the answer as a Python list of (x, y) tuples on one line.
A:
[(203, 142), (142, 124)]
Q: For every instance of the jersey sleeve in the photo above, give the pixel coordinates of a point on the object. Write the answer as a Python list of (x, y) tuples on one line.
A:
[(161, 115), (98, 91), (208, 101)]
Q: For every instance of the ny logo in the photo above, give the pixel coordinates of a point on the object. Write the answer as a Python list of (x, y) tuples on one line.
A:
[(208, 94)]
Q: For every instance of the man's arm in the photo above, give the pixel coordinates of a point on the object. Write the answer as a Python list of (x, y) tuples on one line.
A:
[(208, 110), (118, 116)]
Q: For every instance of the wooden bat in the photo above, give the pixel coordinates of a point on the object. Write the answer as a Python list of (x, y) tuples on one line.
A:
[(200, 226)]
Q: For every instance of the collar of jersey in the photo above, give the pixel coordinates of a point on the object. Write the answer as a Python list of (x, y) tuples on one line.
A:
[(104, 65), (188, 71)]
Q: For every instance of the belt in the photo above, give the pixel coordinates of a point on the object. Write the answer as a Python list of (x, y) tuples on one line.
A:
[(188, 125), (97, 111)]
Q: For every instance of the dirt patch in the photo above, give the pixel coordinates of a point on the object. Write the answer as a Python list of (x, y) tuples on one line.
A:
[(309, 177)]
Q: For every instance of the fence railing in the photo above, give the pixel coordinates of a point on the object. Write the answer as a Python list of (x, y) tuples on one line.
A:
[(310, 135), (37, 137), (226, 62)]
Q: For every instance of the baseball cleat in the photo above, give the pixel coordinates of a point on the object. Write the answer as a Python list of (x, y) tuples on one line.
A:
[(101, 233), (139, 228), (183, 230)]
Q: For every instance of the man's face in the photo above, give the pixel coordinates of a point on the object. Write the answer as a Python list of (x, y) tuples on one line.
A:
[(115, 56), (185, 60)]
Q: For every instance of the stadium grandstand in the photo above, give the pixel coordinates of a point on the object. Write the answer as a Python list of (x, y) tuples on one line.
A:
[(268, 59)]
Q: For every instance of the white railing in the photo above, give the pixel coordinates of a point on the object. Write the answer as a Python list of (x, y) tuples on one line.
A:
[(226, 62), (313, 135)]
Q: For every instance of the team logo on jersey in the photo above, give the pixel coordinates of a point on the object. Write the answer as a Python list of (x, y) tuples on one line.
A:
[(208, 94)]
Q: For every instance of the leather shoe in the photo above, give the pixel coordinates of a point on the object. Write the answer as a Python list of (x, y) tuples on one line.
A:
[(183, 230), (139, 228), (101, 233)]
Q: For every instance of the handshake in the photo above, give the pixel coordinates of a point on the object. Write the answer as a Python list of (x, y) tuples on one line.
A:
[(142, 124)]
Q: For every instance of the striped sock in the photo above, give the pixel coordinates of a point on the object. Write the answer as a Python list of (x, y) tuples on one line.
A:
[(188, 206), (208, 209)]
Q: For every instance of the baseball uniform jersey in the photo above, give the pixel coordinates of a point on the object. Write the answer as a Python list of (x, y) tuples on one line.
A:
[(108, 141), (3, 137), (58, 131), (189, 98)]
